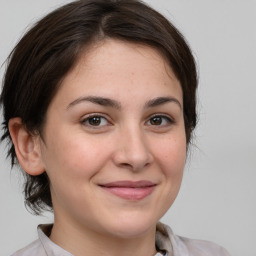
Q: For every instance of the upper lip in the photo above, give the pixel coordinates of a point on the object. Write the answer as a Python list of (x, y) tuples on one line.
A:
[(129, 184)]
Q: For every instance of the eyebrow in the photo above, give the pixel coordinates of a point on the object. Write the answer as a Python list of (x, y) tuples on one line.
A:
[(162, 100), (107, 102), (97, 100)]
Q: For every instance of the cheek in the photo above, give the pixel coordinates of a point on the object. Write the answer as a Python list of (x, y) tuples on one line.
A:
[(171, 158), (171, 155), (74, 157), (71, 165)]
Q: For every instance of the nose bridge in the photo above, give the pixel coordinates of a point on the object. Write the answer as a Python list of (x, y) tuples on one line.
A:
[(133, 149)]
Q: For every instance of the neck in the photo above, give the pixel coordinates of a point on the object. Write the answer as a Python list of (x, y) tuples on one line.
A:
[(87, 242)]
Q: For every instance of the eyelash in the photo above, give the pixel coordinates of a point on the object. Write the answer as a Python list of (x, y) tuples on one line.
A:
[(162, 117), (91, 116), (167, 118)]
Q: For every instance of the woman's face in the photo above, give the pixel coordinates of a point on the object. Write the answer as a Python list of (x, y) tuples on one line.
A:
[(114, 143)]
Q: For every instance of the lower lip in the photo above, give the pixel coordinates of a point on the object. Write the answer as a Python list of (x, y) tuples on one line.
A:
[(130, 193)]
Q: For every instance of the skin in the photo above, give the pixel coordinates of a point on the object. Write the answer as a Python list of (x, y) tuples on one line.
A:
[(134, 136)]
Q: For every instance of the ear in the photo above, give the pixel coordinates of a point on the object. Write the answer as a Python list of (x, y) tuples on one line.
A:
[(27, 147)]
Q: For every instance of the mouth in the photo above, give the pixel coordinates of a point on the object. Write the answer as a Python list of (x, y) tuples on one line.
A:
[(130, 190)]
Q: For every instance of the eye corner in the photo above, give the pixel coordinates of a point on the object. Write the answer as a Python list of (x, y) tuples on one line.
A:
[(160, 120)]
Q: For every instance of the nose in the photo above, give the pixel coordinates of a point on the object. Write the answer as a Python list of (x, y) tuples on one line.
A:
[(132, 150)]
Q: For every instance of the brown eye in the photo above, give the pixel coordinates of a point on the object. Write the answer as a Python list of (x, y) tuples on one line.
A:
[(157, 120), (160, 120), (96, 121)]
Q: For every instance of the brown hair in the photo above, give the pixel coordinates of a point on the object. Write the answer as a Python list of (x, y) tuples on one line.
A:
[(50, 49)]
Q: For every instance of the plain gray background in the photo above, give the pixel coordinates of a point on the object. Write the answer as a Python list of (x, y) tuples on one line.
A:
[(217, 199)]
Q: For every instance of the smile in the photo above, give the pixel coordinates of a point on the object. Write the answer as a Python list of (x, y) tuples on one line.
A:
[(130, 190)]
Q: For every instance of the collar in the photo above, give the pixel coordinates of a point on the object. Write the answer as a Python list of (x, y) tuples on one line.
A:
[(163, 242)]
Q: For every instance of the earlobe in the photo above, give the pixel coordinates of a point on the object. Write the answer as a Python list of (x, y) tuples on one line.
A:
[(26, 147)]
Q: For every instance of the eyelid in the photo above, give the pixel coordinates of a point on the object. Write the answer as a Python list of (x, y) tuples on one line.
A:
[(88, 116), (169, 118)]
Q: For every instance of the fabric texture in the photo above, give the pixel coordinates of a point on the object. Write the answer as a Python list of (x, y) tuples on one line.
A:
[(167, 243)]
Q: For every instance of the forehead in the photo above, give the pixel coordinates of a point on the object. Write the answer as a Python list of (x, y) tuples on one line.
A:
[(120, 67), (115, 53)]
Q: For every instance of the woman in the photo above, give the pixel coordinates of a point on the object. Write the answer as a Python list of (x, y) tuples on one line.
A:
[(99, 108)]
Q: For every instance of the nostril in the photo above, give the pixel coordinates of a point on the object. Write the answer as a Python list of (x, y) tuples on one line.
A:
[(135, 166), (133, 153), (126, 165)]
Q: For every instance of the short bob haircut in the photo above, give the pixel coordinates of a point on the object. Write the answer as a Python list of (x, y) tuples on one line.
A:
[(49, 50)]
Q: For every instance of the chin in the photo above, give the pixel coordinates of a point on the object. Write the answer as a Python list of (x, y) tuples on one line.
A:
[(132, 228)]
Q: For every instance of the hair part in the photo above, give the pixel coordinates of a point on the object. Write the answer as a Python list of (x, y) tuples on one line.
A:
[(49, 50)]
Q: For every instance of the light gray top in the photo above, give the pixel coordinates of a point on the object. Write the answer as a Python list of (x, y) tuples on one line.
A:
[(166, 242)]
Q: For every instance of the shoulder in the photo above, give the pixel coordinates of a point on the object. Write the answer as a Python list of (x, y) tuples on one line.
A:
[(196, 247), (35, 248), (181, 246)]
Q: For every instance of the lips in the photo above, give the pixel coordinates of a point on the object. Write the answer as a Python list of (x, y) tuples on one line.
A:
[(130, 190)]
